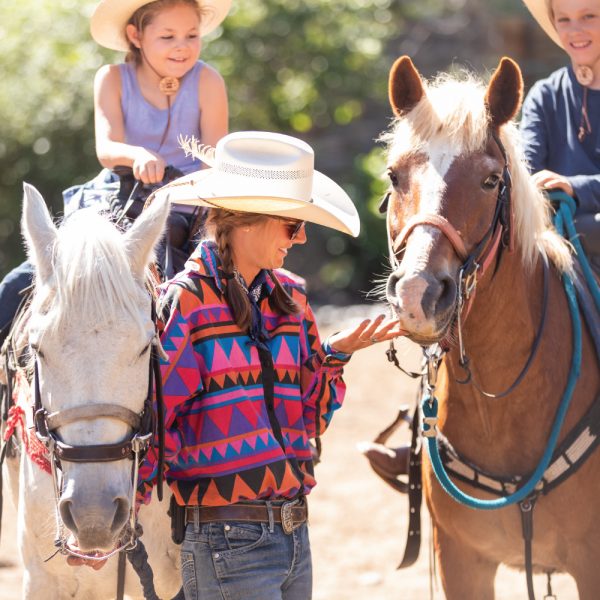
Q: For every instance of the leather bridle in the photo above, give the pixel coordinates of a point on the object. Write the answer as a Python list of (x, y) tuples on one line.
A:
[(499, 235), (143, 427), (474, 264)]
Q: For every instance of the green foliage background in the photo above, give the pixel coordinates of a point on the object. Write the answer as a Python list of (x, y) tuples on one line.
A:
[(313, 68)]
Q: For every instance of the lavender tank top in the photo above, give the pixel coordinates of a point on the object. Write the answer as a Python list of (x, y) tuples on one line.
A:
[(145, 124)]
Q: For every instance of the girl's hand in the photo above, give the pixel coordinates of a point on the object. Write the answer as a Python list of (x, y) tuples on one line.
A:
[(148, 167), (549, 180), (366, 334)]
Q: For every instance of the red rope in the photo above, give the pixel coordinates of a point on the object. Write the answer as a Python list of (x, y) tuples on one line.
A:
[(35, 449)]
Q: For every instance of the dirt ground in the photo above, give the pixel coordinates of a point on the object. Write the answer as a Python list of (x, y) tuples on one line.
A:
[(357, 523)]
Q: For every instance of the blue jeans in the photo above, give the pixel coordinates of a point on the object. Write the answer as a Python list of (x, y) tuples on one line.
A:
[(246, 561)]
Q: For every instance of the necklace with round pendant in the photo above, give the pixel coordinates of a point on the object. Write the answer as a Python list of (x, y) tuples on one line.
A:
[(168, 85), (584, 74)]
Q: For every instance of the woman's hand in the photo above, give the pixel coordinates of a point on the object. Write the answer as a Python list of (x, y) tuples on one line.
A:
[(549, 180), (366, 334), (148, 167)]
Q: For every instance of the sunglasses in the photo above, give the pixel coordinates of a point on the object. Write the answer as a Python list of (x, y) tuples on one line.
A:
[(293, 227)]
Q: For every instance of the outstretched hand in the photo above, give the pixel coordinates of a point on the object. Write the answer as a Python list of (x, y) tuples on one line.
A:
[(366, 333)]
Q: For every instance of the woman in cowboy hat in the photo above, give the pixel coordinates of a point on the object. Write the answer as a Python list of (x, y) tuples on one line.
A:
[(248, 382), (561, 114)]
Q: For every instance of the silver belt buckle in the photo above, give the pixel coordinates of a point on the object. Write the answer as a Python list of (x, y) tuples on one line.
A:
[(287, 522)]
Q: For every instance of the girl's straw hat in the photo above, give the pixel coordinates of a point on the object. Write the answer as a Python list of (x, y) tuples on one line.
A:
[(540, 9), (110, 18), (264, 173)]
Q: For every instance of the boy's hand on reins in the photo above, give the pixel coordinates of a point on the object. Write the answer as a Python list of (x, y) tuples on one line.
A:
[(366, 333), (549, 180)]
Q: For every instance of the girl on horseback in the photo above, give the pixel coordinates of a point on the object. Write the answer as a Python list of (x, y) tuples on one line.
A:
[(141, 107)]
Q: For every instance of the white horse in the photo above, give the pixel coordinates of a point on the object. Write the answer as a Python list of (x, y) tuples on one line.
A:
[(90, 333)]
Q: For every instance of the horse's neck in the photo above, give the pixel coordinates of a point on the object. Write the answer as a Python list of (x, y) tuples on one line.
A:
[(498, 336)]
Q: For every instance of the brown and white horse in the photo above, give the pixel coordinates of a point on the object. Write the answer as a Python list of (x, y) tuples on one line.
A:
[(449, 154)]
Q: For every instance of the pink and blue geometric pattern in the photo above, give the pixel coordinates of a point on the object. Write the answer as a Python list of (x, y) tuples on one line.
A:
[(220, 446)]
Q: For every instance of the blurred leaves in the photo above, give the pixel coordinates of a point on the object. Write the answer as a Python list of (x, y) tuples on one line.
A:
[(317, 69)]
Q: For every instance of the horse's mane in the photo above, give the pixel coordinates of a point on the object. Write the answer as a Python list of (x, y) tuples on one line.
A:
[(453, 112), (91, 274)]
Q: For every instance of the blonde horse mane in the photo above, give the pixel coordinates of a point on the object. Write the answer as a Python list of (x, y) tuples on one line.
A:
[(92, 274), (453, 112)]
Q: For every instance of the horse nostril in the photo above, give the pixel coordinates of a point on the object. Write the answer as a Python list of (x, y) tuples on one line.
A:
[(439, 296), (391, 292), (67, 516), (121, 514), (448, 296)]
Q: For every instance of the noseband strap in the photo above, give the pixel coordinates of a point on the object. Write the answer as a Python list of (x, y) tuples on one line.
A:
[(438, 222), (92, 411)]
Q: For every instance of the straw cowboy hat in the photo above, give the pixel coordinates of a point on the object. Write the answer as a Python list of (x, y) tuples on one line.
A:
[(265, 173), (110, 18), (540, 9)]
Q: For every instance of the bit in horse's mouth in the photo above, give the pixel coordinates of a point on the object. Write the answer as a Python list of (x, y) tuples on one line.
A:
[(73, 548)]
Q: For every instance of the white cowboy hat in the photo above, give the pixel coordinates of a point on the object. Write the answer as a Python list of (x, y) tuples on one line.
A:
[(264, 173), (110, 17), (540, 9)]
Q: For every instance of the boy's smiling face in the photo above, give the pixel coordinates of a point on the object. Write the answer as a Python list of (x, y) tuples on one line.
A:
[(577, 23)]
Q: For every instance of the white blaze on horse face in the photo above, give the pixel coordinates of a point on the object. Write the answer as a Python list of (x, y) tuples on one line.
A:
[(98, 367), (414, 278)]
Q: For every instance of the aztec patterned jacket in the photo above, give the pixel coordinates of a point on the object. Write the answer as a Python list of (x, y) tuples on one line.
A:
[(234, 432)]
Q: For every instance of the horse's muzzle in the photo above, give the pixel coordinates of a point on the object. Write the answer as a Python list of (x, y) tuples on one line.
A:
[(425, 303)]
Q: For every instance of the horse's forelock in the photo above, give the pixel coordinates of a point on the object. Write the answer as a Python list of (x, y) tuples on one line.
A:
[(450, 112), (453, 113), (92, 275)]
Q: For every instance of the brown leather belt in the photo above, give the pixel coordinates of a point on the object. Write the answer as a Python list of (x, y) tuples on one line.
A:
[(290, 514)]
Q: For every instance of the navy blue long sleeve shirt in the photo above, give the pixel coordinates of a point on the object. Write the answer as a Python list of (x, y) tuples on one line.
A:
[(549, 125)]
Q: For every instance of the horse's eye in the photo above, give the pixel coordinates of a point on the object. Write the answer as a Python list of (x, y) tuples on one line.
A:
[(393, 177), (491, 182), (146, 348)]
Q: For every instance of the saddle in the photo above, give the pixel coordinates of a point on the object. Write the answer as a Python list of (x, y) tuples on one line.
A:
[(183, 229)]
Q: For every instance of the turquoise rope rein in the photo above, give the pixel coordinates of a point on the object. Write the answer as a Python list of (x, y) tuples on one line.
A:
[(564, 221), (429, 405)]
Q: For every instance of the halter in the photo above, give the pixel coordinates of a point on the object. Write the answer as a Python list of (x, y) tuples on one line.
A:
[(500, 234), (133, 448)]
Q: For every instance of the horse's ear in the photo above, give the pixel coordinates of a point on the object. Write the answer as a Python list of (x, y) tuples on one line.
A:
[(145, 233), (405, 87), (504, 93), (39, 232)]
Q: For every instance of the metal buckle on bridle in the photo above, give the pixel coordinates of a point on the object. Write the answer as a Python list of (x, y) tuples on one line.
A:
[(468, 283), (433, 357), (41, 426)]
